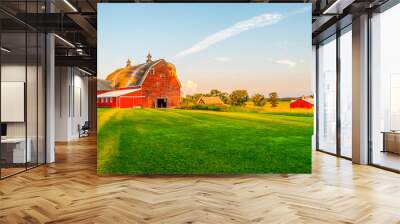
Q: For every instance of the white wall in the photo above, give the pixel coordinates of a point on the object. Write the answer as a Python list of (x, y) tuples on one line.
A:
[(360, 89), (50, 95), (12, 73), (33, 127), (62, 82), (71, 102)]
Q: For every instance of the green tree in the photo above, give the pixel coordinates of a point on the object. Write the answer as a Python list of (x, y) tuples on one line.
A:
[(258, 99), (191, 99), (196, 97), (239, 97), (225, 98), (215, 92), (222, 95), (273, 99)]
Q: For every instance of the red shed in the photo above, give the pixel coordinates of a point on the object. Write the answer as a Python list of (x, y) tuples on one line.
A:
[(153, 84), (303, 103)]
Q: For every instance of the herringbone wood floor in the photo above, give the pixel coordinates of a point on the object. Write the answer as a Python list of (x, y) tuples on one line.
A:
[(69, 191)]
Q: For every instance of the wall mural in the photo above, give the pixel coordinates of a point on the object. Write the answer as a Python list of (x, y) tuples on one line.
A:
[(204, 88)]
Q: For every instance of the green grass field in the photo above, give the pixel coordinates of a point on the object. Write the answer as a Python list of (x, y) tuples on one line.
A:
[(149, 141)]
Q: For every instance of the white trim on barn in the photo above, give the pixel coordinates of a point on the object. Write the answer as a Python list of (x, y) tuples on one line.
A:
[(117, 93)]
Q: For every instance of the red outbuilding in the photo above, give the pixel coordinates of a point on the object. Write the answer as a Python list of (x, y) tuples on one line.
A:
[(153, 84), (302, 103)]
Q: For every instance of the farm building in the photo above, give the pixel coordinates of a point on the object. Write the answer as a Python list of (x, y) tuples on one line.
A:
[(210, 100), (302, 103), (103, 86), (153, 84)]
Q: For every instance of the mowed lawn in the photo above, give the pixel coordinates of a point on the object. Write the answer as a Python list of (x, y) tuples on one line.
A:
[(172, 141)]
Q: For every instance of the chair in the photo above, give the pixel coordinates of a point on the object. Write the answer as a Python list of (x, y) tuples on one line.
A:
[(84, 130)]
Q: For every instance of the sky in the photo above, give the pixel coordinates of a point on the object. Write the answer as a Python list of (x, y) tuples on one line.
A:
[(260, 47)]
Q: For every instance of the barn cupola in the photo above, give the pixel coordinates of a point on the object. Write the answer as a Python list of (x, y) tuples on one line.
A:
[(149, 58), (128, 63)]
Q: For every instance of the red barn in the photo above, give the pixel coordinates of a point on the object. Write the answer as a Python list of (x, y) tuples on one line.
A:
[(303, 103), (153, 84)]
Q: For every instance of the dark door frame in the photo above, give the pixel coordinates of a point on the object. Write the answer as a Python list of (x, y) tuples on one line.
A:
[(165, 102)]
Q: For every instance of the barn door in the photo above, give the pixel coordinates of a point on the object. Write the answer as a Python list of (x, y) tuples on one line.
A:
[(161, 103)]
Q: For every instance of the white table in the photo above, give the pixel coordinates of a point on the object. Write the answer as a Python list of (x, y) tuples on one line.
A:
[(18, 144)]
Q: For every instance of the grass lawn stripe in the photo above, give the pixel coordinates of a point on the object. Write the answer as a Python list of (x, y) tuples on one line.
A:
[(203, 142)]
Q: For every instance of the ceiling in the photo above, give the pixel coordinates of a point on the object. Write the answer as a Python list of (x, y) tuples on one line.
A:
[(75, 21)]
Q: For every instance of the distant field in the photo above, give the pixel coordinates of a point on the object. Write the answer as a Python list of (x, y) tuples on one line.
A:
[(284, 107), (149, 141)]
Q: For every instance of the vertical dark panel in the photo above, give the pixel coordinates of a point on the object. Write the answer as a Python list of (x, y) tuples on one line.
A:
[(37, 90), (26, 86), (73, 91), (338, 73), (316, 106), (369, 62), (46, 3), (60, 95), (45, 94)]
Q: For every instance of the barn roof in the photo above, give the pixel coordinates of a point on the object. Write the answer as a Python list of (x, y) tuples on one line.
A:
[(210, 100), (133, 75), (309, 100), (103, 85), (117, 93)]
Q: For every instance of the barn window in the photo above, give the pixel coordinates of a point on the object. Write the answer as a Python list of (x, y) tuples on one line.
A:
[(111, 99)]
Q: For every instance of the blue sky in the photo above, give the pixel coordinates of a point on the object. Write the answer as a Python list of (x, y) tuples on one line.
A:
[(259, 47)]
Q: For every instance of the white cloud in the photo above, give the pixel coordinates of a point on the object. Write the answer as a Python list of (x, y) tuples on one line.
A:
[(222, 59), (286, 62), (189, 87), (237, 28), (304, 9)]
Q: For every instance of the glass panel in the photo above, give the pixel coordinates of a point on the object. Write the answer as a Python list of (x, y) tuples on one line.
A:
[(31, 98), (346, 94), (13, 86), (32, 88), (23, 90), (41, 98), (327, 96), (385, 93), (314, 85)]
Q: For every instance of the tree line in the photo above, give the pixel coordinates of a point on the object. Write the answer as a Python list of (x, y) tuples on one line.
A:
[(236, 98)]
